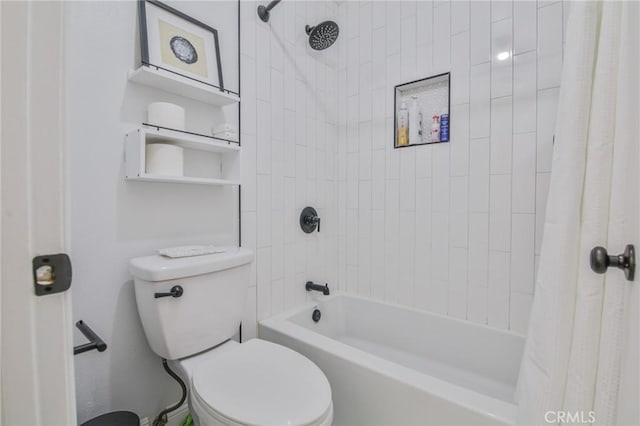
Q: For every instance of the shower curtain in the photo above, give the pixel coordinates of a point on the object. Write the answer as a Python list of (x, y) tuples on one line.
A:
[(572, 357)]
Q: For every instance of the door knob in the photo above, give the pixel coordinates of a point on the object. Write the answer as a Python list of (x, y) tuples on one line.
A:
[(600, 261)]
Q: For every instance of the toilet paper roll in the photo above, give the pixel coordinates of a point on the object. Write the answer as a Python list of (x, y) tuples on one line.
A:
[(165, 114), (164, 159)]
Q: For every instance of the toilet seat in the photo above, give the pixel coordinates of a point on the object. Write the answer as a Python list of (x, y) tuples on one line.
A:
[(262, 383)]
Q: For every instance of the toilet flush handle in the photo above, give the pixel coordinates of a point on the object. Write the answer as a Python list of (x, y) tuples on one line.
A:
[(176, 291)]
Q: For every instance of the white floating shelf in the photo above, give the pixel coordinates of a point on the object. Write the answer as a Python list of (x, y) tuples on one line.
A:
[(183, 86), (224, 160), (182, 179), (188, 141)]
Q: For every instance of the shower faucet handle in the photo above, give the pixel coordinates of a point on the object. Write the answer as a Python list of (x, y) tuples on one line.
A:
[(309, 220)]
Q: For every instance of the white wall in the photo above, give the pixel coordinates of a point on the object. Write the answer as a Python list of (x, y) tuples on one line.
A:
[(112, 220), (455, 227), (289, 134)]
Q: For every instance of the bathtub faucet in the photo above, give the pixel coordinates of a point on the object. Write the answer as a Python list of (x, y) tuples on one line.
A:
[(317, 287)]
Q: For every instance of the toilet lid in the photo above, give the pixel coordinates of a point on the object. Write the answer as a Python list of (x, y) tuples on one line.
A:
[(262, 383)]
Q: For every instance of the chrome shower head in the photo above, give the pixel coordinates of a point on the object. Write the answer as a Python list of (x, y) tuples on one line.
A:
[(322, 35)]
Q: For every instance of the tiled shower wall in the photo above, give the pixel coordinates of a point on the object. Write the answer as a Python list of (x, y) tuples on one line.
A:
[(289, 148), (455, 227)]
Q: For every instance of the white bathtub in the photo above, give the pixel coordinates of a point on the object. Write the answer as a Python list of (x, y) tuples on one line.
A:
[(391, 365)]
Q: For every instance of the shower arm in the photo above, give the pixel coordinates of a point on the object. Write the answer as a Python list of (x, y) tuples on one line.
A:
[(263, 11)]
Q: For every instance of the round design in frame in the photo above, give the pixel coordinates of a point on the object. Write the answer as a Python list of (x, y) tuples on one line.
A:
[(183, 50)]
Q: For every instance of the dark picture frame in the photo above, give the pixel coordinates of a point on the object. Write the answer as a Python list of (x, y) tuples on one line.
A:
[(421, 85), (147, 59)]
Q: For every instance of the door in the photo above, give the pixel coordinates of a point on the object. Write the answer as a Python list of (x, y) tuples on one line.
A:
[(36, 334)]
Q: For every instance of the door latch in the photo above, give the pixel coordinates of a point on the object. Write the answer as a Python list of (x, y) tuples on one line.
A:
[(51, 274)]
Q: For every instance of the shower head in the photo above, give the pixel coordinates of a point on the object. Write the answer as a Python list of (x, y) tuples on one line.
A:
[(322, 35)]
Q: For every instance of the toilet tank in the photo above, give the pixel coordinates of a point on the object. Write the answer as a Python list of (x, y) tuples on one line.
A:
[(210, 308)]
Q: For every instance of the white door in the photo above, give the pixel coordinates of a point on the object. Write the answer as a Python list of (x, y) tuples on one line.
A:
[(36, 346)]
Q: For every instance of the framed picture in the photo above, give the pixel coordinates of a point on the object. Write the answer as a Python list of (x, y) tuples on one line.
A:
[(178, 43), (422, 111)]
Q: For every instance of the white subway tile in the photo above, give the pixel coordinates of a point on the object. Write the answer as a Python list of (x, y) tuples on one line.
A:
[(406, 260), (500, 9), (458, 283), (263, 268), (378, 59), (365, 34), (477, 304), (478, 249), (423, 162), (524, 26), (479, 175), (379, 14), (377, 254), (407, 180), (364, 267), (459, 16), (441, 177), (440, 246), (364, 162), (377, 180), (498, 290), (459, 211), (524, 173), (501, 135), (442, 37), (522, 252), (542, 190), (520, 311), (392, 209), (264, 211), (524, 92), (547, 110), (500, 213), (480, 32), (424, 15), (408, 49), (408, 9), (460, 68), (460, 140), (501, 59), (549, 45), (249, 321), (263, 160), (480, 101), (424, 64), (393, 27)]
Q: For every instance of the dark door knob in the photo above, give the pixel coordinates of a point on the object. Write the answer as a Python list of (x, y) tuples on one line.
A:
[(600, 261)]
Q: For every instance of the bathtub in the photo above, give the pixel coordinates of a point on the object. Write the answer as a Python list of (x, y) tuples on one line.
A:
[(392, 365)]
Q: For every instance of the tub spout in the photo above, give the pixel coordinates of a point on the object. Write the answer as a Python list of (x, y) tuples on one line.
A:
[(323, 288)]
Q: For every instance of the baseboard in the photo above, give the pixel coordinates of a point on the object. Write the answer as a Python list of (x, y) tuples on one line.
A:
[(174, 418)]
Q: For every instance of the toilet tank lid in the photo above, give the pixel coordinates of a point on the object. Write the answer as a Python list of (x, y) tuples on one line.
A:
[(160, 268)]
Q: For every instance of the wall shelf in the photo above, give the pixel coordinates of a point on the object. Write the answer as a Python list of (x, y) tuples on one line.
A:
[(182, 179), (224, 157), (183, 86)]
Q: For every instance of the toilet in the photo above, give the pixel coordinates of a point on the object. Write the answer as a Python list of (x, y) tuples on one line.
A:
[(190, 308)]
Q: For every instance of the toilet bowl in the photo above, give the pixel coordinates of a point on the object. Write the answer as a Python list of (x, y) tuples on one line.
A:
[(190, 308), (256, 383)]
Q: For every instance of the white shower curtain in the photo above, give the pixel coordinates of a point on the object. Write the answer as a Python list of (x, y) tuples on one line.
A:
[(572, 356)]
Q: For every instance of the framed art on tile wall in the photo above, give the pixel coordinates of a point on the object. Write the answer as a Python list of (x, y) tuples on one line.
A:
[(175, 42), (422, 111)]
